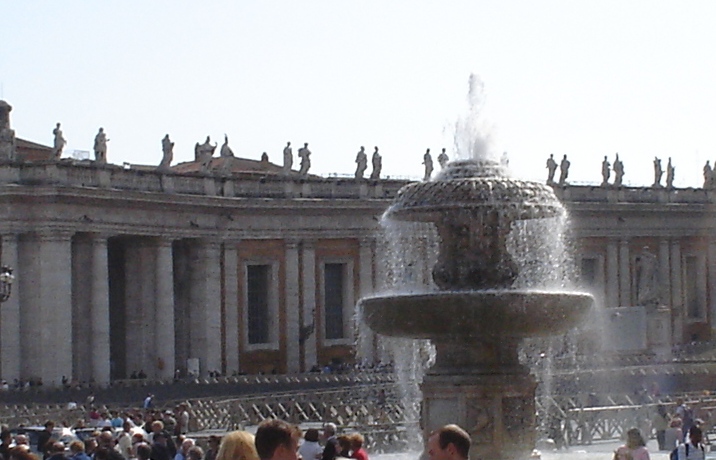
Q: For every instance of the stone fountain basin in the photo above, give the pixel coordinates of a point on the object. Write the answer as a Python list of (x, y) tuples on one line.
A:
[(476, 314)]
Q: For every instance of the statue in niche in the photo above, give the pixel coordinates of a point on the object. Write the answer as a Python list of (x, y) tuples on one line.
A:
[(305, 155), (618, 171), (708, 176), (443, 159), (551, 169), (58, 143), (563, 170), (225, 149), (605, 171), (377, 161), (167, 153), (203, 153), (428, 162), (361, 163), (647, 278), (670, 171), (658, 172), (100, 147), (287, 158)]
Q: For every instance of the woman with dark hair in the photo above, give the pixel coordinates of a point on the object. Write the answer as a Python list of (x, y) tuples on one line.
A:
[(311, 449), (634, 448)]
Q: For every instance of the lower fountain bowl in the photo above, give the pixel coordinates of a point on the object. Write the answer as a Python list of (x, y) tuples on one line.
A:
[(476, 314)]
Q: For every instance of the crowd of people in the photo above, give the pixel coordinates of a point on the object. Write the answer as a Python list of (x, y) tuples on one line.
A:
[(274, 440)]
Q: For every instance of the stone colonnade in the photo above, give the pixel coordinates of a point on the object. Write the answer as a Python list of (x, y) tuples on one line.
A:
[(96, 307)]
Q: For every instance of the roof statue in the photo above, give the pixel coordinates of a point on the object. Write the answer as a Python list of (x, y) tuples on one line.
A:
[(59, 142), (100, 147)]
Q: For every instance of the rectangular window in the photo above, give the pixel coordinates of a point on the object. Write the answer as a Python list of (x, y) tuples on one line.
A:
[(694, 307), (334, 289), (258, 282)]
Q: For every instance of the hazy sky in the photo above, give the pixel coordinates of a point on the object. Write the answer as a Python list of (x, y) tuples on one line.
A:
[(582, 78)]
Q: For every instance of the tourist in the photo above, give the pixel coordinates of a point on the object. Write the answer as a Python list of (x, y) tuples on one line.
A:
[(634, 448), (44, 439), (277, 440), (344, 447), (5, 441), (238, 445), (310, 449), (160, 450), (214, 444), (143, 451), (694, 448), (56, 451), (77, 451), (357, 450), (449, 443), (330, 450), (183, 452), (660, 423), (22, 452), (196, 453)]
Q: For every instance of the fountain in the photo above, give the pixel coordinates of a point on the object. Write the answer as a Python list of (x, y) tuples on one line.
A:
[(476, 319)]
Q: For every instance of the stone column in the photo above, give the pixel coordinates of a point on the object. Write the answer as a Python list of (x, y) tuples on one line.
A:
[(612, 287), (308, 275), (624, 274), (366, 337), (294, 326), (164, 313), (10, 316), (205, 308), (677, 304), (99, 312), (231, 306)]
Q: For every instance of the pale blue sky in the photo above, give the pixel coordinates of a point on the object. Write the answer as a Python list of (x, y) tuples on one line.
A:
[(585, 78)]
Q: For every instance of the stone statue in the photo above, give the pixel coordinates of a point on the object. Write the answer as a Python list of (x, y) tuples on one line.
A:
[(167, 152), (203, 153), (264, 157), (287, 158), (443, 159), (59, 142), (305, 156), (618, 171), (377, 161), (100, 147), (505, 160), (658, 172), (428, 162), (647, 279), (563, 170), (670, 171), (361, 163), (551, 169), (225, 149), (708, 176), (605, 171)]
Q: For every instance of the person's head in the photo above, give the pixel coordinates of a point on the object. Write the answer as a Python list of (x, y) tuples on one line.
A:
[(22, 440), (449, 443), (195, 453), (160, 438), (105, 440), (695, 435), (237, 445), (57, 448), (90, 445), (329, 429), (143, 451), (634, 438), (344, 443), (77, 446), (186, 445), (49, 425), (357, 441), (22, 452), (277, 440), (214, 442), (311, 435), (5, 437), (157, 426)]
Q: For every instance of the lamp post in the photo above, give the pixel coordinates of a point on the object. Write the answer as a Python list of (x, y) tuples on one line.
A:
[(6, 279)]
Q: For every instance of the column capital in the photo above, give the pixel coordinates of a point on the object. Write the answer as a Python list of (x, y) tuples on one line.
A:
[(164, 241), (292, 243)]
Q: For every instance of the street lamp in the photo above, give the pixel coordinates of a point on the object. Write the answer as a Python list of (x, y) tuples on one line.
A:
[(6, 279)]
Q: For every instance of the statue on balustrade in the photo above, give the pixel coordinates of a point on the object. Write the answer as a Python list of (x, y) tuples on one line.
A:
[(167, 153), (225, 149), (361, 163), (647, 279), (551, 169), (203, 153), (377, 161), (58, 143), (287, 158), (708, 176), (563, 170), (618, 167), (305, 155), (658, 172), (100, 147), (7, 135), (670, 171), (606, 171), (443, 159), (428, 162)]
